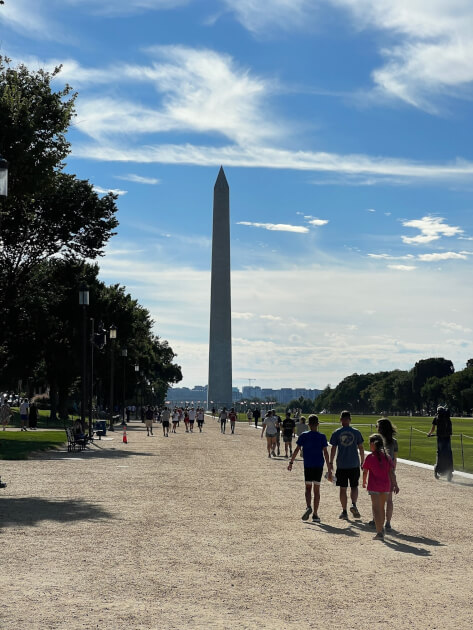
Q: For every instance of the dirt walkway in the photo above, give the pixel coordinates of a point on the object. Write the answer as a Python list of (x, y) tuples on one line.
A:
[(204, 531)]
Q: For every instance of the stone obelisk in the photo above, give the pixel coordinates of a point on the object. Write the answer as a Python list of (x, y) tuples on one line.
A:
[(219, 392)]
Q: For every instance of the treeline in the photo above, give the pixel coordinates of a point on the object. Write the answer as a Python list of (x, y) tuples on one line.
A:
[(429, 383), (53, 226)]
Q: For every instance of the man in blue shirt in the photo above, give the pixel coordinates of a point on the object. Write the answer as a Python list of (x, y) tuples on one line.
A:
[(349, 442), (315, 451)]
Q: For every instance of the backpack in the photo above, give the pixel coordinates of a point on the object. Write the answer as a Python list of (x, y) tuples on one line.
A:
[(444, 423)]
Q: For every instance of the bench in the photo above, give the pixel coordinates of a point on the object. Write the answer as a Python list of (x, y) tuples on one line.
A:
[(73, 441)]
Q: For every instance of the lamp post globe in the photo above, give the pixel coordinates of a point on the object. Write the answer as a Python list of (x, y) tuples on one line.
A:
[(3, 177)]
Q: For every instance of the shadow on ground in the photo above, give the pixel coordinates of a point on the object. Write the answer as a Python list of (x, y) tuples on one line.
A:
[(91, 453), (30, 511)]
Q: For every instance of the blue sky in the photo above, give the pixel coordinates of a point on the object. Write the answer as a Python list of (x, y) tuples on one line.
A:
[(345, 131)]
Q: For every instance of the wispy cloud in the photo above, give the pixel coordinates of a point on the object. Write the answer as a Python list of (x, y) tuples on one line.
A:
[(432, 52), (105, 191), (452, 326), (431, 229), (259, 16), (202, 91), (318, 222), (276, 227), (139, 179)]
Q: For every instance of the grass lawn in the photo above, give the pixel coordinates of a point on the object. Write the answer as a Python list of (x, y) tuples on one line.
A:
[(413, 444), (20, 444)]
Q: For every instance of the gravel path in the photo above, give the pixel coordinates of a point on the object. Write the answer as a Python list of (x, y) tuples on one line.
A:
[(204, 531)]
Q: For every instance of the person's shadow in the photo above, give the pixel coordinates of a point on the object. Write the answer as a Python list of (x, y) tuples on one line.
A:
[(330, 529), (403, 548)]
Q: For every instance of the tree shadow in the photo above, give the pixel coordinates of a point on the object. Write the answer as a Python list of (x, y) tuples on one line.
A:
[(403, 548), (98, 452), (330, 529), (30, 511)]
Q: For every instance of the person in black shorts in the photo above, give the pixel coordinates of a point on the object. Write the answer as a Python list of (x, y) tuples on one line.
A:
[(288, 427), (347, 442), (315, 452), (165, 415)]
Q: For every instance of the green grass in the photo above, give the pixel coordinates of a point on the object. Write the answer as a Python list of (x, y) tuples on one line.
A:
[(20, 444), (412, 445)]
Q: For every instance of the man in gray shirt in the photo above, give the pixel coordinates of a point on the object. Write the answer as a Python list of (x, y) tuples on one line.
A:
[(347, 442)]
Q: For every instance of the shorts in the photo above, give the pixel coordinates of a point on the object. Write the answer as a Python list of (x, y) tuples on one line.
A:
[(345, 475), (287, 439), (313, 474), (166, 423), (376, 492), (23, 416), (270, 436), (149, 423)]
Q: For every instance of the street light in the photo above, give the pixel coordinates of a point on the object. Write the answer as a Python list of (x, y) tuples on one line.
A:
[(137, 369), (3, 177), (124, 355), (112, 333), (84, 302)]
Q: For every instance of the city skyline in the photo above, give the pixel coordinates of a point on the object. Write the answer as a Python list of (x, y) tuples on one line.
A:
[(344, 129)]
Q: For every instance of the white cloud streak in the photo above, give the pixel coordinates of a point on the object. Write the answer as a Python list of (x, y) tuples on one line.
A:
[(105, 191), (276, 227), (139, 179)]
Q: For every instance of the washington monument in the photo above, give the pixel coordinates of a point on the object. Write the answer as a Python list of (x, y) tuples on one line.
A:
[(219, 392)]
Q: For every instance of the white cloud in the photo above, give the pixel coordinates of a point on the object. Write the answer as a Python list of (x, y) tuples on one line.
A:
[(257, 16), (125, 7), (402, 267), (389, 257), (432, 49), (276, 227), (452, 326), (251, 156), (431, 229), (105, 191), (245, 316), (272, 318), (201, 90), (318, 222), (441, 256), (370, 210), (139, 179)]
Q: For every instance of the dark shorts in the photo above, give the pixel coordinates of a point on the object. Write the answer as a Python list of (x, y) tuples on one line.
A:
[(287, 438), (348, 475), (165, 423), (313, 475)]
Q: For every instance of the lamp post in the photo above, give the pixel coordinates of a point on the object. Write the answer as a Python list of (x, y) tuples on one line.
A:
[(3, 177), (84, 302), (112, 333), (124, 355)]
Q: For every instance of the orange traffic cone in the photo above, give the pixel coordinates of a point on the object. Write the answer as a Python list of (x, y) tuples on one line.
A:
[(125, 439)]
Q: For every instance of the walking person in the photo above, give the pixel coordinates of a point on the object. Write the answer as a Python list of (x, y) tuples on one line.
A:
[(200, 419), (315, 452), (270, 426), (301, 426), (33, 416), (175, 417), (24, 406), (378, 468), (288, 428), (442, 423), (278, 431), (191, 419), (232, 417), (186, 420), (223, 419), (5, 413), (149, 414), (249, 416), (256, 416), (347, 443), (165, 415), (387, 431)]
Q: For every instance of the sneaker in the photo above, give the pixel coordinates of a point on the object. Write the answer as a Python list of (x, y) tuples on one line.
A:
[(273, 454), (387, 525), (379, 536), (307, 513), (269, 455), (436, 475), (371, 523), (315, 518), (286, 455), (354, 511), (344, 515)]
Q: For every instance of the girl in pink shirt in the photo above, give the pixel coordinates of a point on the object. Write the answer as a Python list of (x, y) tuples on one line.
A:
[(381, 480)]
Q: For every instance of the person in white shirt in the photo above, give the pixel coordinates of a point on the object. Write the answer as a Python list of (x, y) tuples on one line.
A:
[(270, 425), (223, 419)]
